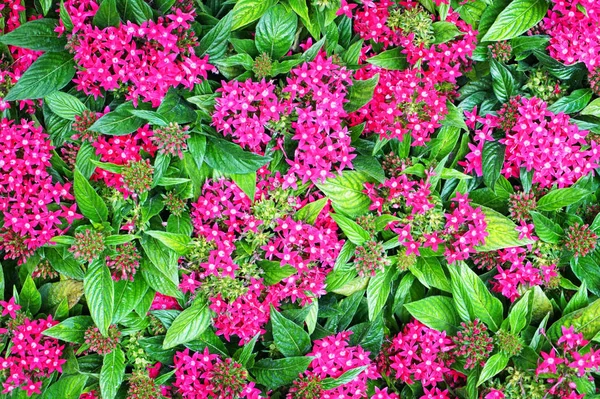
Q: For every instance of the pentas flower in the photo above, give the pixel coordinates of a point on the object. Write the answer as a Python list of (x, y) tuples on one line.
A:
[(474, 343), (574, 30), (418, 353), (494, 394), (32, 358), (122, 150), (317, 93), (536, 140), (222, 217), (516, 272), (384, 394), (125, 262), (580, 239), (88, 245), (404, 102), (99, 343), (144, 60), (333, 356), (164, 302), (413, 100), (560, 368), (171, 139), (31, 203), (465, 229), (10, 308), (520, 204), (244, 110), (203, 375)]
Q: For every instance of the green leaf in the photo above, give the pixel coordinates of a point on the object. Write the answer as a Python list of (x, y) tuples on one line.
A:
[(177, 242), (557, 199), (572, 103), (356, 234), (85, 156), (502, 233), (112, 373), (36, 35), (310, 212), (161, 273), (520, 314), (587, 271), (65, 105), (360, 93), (275, 31), (436, 312), (127, 295), (215, 42), (68, 387), (592, 109), (100, 295), (89, 202), (379, 289), (430, 273), (517, 18), (493, 366), (290, 338), (276, 373), (107, 14), (444, 31), (70, 330), (208, 339), (585, 321), (135, 10), (546, 229), (479, 302), (454, 118), (332, 383), (118, 122), (492, 161), (49, 73), (274, 272), (152, 117), (503, 82), (229, 158), (189, 325), (346, 192), (175, 109), (30, 298), (580, 299), (247, 183), (390, 59), (248, 11)]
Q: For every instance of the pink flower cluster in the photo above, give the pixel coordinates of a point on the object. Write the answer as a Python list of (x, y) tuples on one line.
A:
[(206, 376), (412, 100), (515, 270), (33, 357), (224, 215), (574, 30), (164, 302), (537, 140), (317, 93), (465, 229), (419, 353), (145, 60), (29, 200), (22, 58), (244, 110), (121, 150), (333, 356), (565, 368)]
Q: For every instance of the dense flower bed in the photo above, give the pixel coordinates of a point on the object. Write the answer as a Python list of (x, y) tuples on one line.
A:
[(299, 199)]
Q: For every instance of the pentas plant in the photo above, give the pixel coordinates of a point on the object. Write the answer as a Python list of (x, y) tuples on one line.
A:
[(299, 199)]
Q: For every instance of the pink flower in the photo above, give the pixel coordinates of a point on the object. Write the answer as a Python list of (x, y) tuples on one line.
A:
[(495, 394), (549, 363), (10, 308)]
